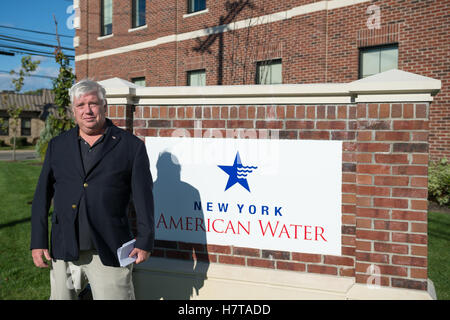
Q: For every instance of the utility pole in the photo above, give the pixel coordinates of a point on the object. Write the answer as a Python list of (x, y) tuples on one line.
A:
[(57, 36)]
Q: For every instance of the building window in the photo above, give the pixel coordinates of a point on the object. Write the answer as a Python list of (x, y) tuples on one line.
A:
[(269, 72), (377, 59), (25, 127), (139, 81), (107, 12), (138, 13), (196, 78), (4, 127), (196, 5)]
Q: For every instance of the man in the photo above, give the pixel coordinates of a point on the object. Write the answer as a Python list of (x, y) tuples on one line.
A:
[(92, 172)]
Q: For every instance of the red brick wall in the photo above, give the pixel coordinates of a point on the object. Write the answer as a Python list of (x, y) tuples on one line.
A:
[(316, 47), (384, 182), (391, 193)]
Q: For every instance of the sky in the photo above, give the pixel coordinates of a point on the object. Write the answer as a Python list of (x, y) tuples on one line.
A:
[(35, 15)]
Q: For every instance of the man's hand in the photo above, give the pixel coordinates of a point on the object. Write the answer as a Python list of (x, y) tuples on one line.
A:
[(37, 257), (142, 255)]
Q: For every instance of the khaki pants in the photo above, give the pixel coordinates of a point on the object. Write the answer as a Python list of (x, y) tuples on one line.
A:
[(68, 279)]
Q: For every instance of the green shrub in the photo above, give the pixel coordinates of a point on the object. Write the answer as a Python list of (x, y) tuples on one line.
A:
[(439, 182), (20, 142)]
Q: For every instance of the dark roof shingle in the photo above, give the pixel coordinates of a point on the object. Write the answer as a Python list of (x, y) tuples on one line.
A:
[(34, 102)]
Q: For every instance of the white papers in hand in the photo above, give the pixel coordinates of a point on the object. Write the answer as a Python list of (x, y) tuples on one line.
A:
[(123, 253)]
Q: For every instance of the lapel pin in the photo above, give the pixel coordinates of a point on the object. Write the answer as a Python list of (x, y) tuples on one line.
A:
[(113, 137)]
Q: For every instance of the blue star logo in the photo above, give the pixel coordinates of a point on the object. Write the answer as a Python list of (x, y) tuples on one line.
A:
[(237, 173)]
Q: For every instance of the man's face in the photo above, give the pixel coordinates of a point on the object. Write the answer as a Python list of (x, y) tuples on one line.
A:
[(89, 113)]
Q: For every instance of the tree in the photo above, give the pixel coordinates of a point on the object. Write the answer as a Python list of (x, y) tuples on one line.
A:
[(61, 86), (61, 121), (12, 109)]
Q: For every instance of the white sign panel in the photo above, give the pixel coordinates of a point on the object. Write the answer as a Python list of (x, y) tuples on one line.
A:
[(257, 193)]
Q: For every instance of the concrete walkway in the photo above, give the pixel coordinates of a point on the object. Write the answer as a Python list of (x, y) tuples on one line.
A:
[(20, 155)]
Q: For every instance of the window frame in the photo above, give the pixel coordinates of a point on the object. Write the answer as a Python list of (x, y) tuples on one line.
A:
[(103, 32), (267, 63), (190, 6), (190, 72), (363, 50), (134, 8), (22, 128), (4, 127), (133, 80)]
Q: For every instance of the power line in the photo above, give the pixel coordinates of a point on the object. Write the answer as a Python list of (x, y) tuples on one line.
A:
[(6, 53), (30, 42), (32, 75), (26, 50), (22, 50), (9, 46), (33, 37), (35, 31)]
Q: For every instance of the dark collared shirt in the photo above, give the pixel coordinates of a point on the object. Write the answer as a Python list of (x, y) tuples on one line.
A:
[(89, 156)]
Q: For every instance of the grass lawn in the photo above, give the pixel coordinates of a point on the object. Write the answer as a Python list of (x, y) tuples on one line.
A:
[(20, 279), (439, 253)]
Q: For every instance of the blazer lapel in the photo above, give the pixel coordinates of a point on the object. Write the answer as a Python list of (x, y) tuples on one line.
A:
[(76, 151), (111, 139)]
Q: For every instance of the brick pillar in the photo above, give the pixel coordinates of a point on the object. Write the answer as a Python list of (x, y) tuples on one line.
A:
[(391, 195)]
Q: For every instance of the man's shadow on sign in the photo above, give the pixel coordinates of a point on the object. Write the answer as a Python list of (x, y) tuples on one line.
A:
[(175, 199)]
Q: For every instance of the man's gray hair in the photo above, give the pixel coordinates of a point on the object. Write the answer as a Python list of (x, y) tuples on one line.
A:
[(86, 86)]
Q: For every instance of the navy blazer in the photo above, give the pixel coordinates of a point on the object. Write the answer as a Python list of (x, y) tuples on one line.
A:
[(121, 173)]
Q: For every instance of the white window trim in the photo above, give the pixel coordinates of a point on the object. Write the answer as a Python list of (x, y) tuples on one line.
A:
[(188, 15), (105, 37), (138, 28)]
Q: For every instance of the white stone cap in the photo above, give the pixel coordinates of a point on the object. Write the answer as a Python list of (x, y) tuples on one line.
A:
[(394, 86), (279, 90), (390, 86), (117, 83), (119, 91), (397, 81)]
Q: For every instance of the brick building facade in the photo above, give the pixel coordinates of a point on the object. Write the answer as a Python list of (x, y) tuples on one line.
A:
[(313, 41)]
